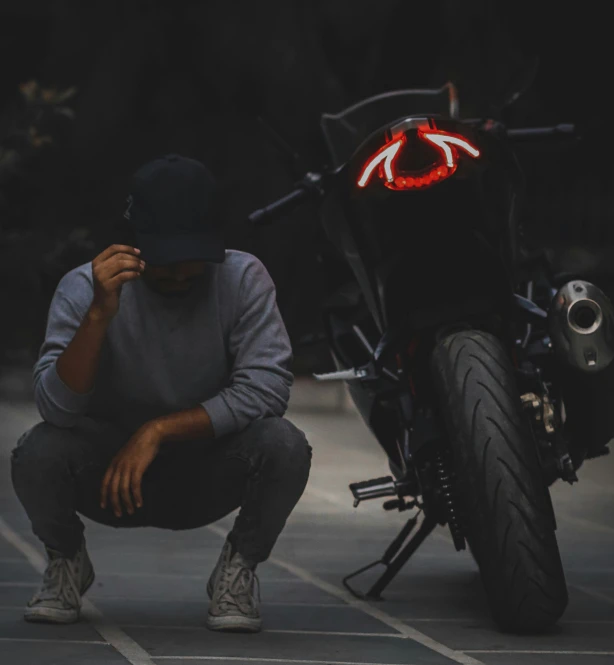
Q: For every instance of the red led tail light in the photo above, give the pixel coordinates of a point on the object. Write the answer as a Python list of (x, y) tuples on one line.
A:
[(384, 162)]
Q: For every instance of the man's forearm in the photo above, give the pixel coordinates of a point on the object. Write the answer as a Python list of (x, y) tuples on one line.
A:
[(185, 425), (78, 364)]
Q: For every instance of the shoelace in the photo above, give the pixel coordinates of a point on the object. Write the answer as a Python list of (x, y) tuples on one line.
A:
[(56, 583), (236, 589)]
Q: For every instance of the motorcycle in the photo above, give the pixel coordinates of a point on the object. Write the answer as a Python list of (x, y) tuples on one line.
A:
[(450, 335)]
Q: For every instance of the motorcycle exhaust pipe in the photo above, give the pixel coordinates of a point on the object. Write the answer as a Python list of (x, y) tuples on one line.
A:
[(581, 323)]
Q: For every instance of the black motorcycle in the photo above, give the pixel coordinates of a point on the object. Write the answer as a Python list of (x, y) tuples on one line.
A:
[(451, 335)]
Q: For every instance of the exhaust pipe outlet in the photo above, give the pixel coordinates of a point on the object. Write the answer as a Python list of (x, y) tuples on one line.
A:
[(581, 322)]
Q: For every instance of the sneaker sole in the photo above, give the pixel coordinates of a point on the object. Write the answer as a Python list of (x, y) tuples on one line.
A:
[(234, 624), (52, 615)]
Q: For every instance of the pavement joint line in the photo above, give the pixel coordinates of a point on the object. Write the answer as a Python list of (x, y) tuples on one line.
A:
[(280, 603), (116, 637), (587, 524), (238, 659), (200, 601), (387, 619), (397, 636), (544, 651), (594, 594), (174, 576), (442, 619), (54, 641), (481, 620)]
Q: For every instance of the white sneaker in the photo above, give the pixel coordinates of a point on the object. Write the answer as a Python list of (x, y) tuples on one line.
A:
[(234, 604), (64, 582), (217, 571)]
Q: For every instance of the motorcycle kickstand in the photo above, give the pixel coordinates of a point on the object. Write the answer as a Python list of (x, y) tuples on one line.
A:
[(394, 558)]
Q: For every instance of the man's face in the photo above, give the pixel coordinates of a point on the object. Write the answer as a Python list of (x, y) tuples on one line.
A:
[(174, 279)]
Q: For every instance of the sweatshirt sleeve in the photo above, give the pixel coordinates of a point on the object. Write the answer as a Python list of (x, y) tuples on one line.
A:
[(57, 403), (261, 377)]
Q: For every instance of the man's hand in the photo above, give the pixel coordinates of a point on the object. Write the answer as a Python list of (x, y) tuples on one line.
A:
[(111, 269), (124, 475)]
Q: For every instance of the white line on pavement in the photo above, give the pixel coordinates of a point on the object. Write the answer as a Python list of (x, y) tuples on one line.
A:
[(587, 524), (539, 652), (56, 641), (397, 636), (240, 659), (200, 601), (268, 630), (570, 622), (481, 620), (175, 576), (435, 619), (594, 594), (126, 646), (342, 594), (281, 603)]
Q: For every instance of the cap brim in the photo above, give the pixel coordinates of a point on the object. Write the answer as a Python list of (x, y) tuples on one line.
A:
[(159, 249)]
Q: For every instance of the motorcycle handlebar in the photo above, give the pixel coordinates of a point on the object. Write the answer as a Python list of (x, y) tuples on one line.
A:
[(264, 215), (537, 133), (312, 180), (311, 185)]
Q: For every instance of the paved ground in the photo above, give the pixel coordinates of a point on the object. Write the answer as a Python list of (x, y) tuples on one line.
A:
[(148, 603)]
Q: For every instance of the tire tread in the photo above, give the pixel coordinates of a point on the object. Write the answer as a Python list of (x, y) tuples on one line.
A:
[(506, 504)]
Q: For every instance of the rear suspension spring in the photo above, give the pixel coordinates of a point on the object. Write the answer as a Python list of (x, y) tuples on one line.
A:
[(448, 498)]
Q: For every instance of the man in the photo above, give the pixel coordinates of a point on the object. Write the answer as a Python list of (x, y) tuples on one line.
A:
[(162, 384)]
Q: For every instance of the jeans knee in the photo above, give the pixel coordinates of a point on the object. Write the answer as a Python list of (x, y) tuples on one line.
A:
[(284, 445), (41, 446)]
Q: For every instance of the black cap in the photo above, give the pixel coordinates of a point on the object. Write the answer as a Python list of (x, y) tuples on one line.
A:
[(172, 210)]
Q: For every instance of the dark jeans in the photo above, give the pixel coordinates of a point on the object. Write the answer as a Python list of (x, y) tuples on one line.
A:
[(262, 469)]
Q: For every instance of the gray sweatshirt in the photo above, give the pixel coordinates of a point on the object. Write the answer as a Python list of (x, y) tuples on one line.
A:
[(223, 346)]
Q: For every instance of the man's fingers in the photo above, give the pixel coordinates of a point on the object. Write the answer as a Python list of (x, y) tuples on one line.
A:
[(105, 485), (114, 491), (115, 249), (137, 478), (124, 487), (123, 262), (117, 265), (123, 277)]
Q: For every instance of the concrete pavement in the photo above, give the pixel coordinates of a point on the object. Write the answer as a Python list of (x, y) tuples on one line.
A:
[(148, 603)]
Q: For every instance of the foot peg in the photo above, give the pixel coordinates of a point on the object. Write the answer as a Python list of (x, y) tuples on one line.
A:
[(378, 487), (342, 375), (369, 372)]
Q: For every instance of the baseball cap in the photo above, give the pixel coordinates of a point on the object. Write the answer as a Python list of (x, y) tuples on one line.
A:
[(172, 211)]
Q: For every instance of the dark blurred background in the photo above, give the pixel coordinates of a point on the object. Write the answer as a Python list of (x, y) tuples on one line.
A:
[(91, 90)]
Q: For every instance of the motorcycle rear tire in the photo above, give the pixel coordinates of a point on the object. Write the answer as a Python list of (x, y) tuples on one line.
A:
[(505, 504)]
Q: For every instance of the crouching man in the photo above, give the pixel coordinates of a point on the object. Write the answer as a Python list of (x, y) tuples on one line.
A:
[(162, 384)]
